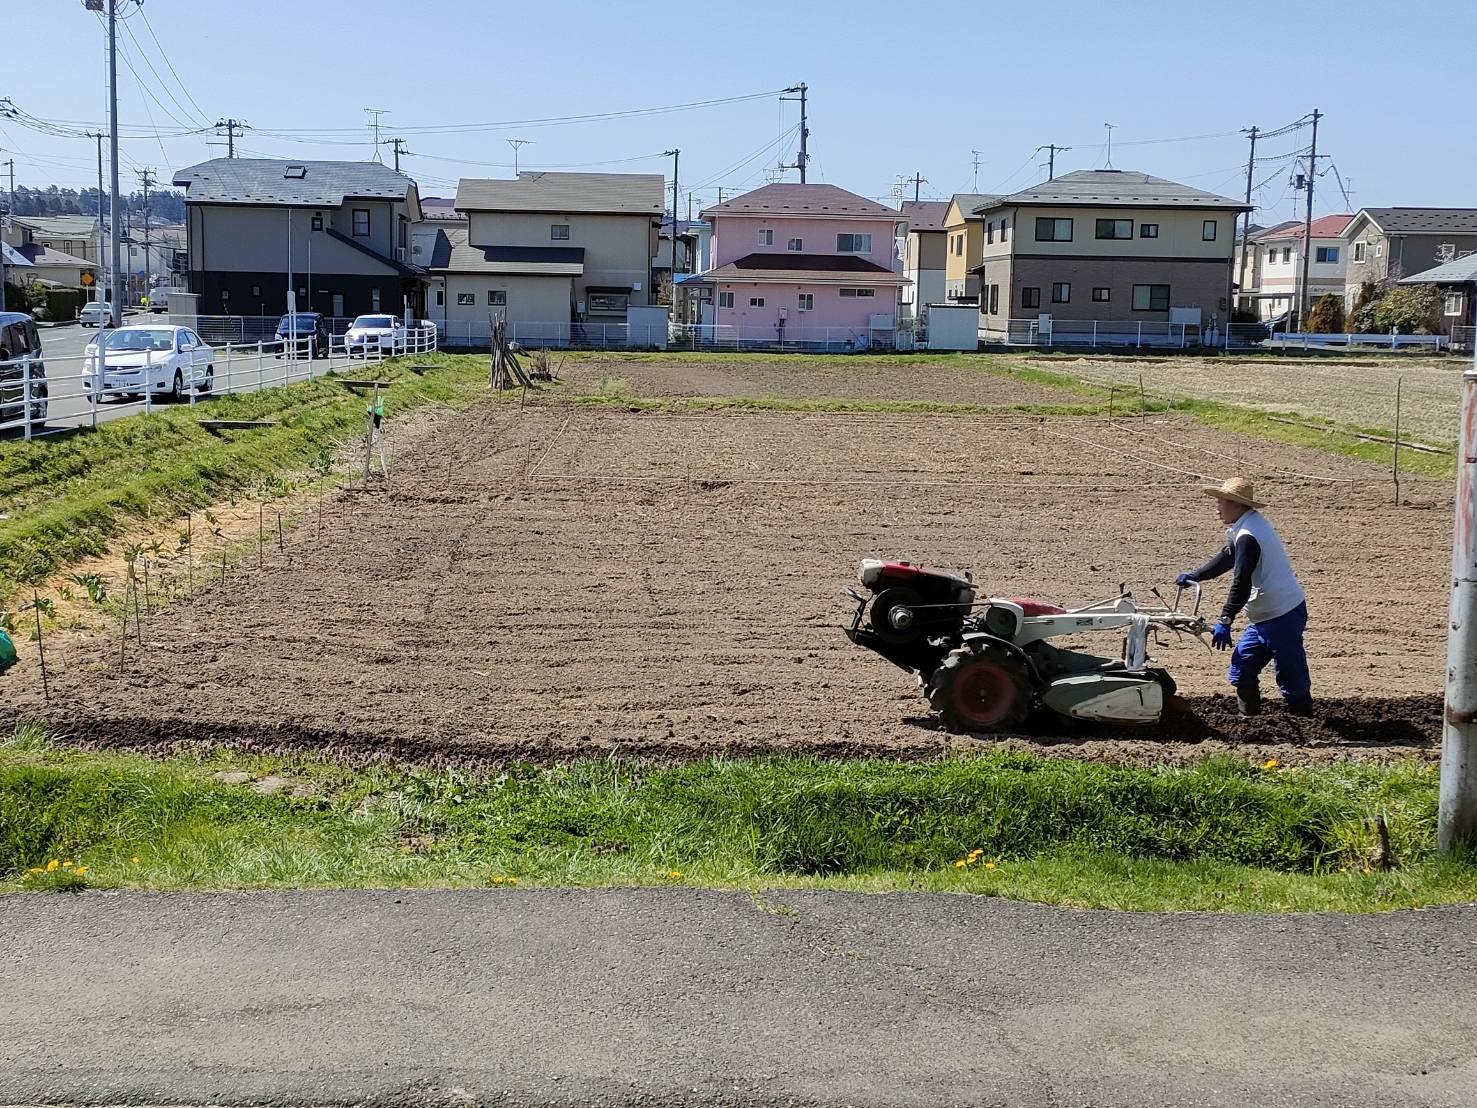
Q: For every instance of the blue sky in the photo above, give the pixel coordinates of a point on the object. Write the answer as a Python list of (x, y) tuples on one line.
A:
[(895, 89)]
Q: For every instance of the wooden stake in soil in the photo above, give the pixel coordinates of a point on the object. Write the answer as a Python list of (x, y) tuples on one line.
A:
[(41, 645), (138, 620), (190, 551), (1143, 404), (148, 601), (123, 635), (1395, 465), (281, 546), (1112, 389), (261, 528)]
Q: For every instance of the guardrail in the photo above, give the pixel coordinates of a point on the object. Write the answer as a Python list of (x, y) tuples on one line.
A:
[(45, 394)]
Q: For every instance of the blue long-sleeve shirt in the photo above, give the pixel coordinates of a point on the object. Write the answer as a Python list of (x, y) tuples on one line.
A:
[(1241, 560)]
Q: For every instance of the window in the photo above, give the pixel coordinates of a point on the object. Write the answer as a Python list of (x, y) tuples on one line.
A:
[(850, 294), (559, 231), (466, 300), (795, 246), (607, 301), (374, 300), (1286, 254), (756, 301), (1453, 303), (317, 223), (1379, 250), (256, 290), (1359, 252), (1061, 293), (1101, 296), (1115, 228), (1030, 298), (861, 244), (440, 298), (725, 299), (766, 237), (1148, 230), (1151, 298), (1053, 230), (994, 300), (1207, 231), (990, 231), (295, 172), (497, 298), (1004, 231), (807, 301), (1326, 254), (361, 223)]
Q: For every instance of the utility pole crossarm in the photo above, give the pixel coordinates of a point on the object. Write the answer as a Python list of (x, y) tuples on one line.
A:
[(802, 159)]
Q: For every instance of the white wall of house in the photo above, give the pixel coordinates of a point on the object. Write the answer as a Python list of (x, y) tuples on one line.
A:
[(529, 299), (618, 248)]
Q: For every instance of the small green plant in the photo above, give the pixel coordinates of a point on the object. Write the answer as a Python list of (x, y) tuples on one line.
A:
[(92, 584)]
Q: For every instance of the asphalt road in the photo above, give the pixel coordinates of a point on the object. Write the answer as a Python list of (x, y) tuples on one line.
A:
[(69, 406), (675, 996)]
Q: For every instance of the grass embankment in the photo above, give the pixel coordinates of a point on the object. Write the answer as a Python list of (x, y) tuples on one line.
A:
[(1220, 835), (67, 497)]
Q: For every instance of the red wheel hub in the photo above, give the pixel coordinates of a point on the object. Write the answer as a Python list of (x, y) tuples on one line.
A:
[(984, 693)]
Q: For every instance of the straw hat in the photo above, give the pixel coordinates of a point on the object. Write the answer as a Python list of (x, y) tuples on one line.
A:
[(1237, 490)]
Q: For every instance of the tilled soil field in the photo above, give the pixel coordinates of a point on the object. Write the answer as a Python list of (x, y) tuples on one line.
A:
[(554, 582)]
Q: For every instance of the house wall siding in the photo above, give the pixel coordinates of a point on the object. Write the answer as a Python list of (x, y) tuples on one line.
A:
[(530, 299), (737, 236), (832, 310), (1192, 284), (254, 240), (618, 248)]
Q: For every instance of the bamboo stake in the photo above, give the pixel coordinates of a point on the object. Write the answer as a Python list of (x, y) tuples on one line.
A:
[(137, 619), (1395, 465), (1143, 403), (190, 551), (148, 601), (261, 527), (281, 546), (41, 645)]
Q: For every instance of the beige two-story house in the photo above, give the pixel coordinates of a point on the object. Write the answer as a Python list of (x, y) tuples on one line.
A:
[(339, 230), (964, 237), (551, 248), (1104, 246)]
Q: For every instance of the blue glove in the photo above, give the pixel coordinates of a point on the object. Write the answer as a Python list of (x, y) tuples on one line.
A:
[(1220, 635), (1185, 580)]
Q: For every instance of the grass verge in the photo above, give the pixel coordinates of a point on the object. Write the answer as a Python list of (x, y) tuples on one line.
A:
[(66, 497), (1221, 835)]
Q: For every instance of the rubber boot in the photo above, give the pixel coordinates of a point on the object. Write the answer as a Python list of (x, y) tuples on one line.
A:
[(1303, 708), (1249, 700)]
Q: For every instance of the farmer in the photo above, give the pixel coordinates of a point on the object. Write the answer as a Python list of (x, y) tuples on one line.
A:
[(1262, 582)]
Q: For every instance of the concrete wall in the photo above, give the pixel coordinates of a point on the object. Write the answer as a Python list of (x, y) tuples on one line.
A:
[(618, 248)]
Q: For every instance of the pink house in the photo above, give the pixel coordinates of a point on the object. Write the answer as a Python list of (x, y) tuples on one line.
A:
[(809, 264)]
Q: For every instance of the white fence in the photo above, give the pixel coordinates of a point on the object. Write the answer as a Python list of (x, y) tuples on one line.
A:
[(38, 395), (1336, 340), (475, 335), (1095, 334)]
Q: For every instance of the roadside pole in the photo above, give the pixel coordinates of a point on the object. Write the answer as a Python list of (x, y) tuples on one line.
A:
[(1456, 821)]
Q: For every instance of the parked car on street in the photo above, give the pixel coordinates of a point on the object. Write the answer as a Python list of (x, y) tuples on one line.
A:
[(95, 313), (19, 340), (311, 329), (383, 333), (150, 359)]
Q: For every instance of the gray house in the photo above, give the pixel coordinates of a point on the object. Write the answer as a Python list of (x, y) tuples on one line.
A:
[(341, 229), (1388, 244)]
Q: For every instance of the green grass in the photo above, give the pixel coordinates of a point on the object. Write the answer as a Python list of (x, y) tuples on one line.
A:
[(1223, 834), (67, 497)]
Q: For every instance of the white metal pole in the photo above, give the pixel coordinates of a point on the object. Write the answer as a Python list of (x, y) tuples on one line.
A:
[(1456, 821)]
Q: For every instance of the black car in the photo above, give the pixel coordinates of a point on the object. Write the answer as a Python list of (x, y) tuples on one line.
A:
[(312, 333), (19, 340)]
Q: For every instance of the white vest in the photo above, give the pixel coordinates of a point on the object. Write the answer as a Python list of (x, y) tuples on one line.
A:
[(1274, 587)]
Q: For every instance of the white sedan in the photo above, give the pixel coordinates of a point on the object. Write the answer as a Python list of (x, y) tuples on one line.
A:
[(383, 333), (140, 360)]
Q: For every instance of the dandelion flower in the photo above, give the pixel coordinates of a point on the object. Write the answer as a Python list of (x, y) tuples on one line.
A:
[(67, 863), (960, 863), (674, 875), (81, 870), (1270, 763), (135, 859), (498, 880), (51, 866), (990, 865), (512, 881)]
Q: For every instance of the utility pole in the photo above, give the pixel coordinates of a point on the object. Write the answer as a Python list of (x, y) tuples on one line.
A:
[(113, 205), (803, 158), (398, 145), (1456, 816), (1245, 231), (675, 154), (374, 125), (1052, 150), (1308, 224), (516, 144), (11, 194), (231, 126), (147, 177), (976, 186), (101, 287), (918, 180), (5, 211)]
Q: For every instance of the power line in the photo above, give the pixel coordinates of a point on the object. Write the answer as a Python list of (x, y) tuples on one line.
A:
[(196, 120), (163, 53)]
